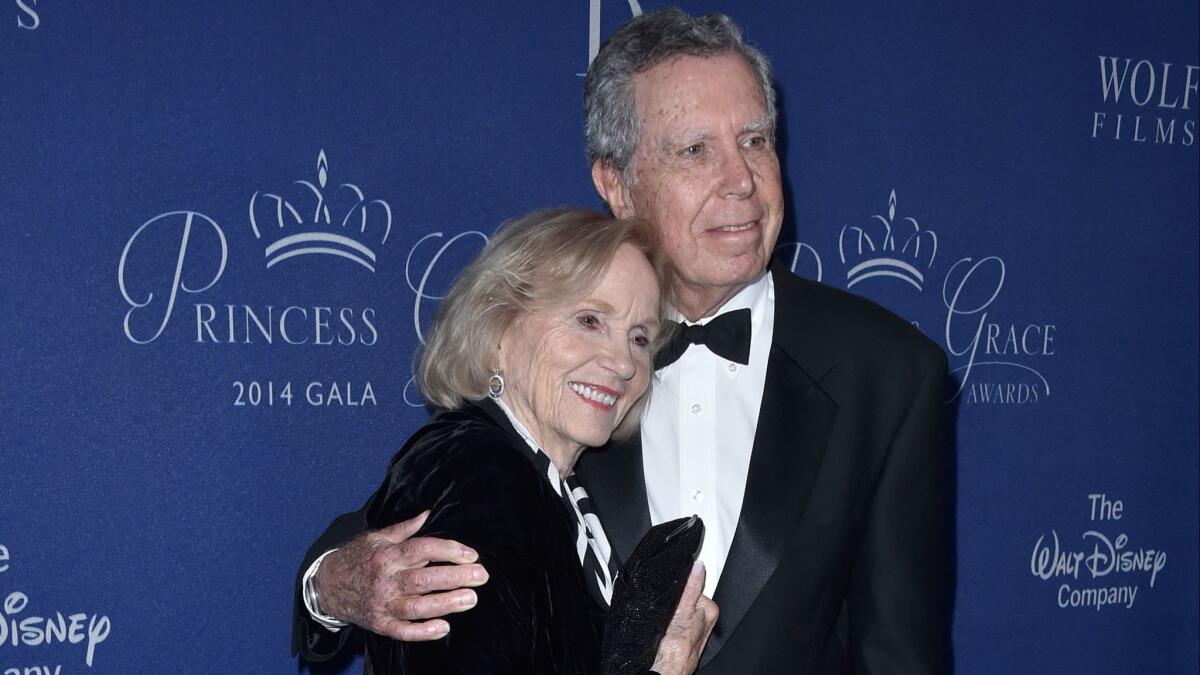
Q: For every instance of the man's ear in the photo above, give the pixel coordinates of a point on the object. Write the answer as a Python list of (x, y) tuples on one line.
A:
[(611, 186)]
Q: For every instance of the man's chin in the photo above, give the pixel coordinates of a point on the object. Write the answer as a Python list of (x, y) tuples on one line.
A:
[(742, 270)]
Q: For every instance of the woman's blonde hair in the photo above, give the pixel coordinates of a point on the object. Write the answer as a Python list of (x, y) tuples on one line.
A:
[(537, 261)]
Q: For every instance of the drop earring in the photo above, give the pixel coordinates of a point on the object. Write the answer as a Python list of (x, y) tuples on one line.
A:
[(496, 384)]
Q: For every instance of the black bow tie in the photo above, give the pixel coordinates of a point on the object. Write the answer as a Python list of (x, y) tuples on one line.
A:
[(727, 336)]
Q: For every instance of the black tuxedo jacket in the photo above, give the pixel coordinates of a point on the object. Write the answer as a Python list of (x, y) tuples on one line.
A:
[(838, 561)]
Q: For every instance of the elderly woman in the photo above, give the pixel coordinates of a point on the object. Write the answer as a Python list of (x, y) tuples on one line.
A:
[(542, 348)]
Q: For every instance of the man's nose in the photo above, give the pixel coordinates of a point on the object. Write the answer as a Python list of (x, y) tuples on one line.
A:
[(737, 180)]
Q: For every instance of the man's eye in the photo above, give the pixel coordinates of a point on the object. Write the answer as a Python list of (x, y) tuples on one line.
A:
[(756, 142), (693, 150)]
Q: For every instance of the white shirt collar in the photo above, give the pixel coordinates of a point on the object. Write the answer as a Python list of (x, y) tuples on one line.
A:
[(752, 297), (553, 475), (755, 297)]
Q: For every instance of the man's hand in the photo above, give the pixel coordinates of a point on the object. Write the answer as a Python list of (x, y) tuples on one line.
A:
[(680, 649), (382, 581)]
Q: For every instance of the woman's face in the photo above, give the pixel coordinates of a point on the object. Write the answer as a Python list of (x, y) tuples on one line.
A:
[(573, 371)]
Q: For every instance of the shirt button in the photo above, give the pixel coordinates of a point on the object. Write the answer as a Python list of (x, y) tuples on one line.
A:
[(733, 367), (697, 495), (696, 408)]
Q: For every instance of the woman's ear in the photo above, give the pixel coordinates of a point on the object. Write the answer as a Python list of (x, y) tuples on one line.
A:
[(611, 185), (496, 360)]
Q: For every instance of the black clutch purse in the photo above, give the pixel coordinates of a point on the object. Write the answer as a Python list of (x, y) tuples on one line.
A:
[(646, 593)]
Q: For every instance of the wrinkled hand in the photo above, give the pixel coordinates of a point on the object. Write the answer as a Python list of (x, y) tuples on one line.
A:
[(680, 649), (382, 581)]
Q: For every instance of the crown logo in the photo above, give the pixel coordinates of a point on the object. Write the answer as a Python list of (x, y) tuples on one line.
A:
[(874, 253), (344, 235)]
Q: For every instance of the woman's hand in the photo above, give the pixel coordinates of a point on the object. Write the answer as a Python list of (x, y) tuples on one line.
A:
[(679, 651)]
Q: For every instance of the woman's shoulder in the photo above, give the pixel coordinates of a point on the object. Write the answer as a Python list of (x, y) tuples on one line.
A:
[(460, 442), (461, 457)]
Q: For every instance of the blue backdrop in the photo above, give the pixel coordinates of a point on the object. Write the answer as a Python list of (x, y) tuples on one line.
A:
[(225, 225)]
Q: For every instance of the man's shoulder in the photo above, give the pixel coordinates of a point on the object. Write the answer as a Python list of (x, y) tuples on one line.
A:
[(847, 323)]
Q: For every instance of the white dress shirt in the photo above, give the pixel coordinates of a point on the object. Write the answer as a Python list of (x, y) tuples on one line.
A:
[(698, 431)]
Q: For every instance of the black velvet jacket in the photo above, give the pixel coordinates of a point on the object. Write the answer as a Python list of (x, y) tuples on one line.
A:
[(535, 615)]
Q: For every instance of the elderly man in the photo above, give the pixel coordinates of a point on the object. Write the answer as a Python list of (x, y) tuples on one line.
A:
[(800, 422)]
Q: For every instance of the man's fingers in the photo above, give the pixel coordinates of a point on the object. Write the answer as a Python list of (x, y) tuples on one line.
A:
[(411, 631), (424, 580), (394, 534), (424, 550), (417, 607)]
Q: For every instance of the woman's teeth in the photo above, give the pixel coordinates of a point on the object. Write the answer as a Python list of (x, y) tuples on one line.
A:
[(592, 394)]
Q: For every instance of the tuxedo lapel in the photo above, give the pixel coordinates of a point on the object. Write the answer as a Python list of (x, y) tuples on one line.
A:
[(615, 480), (794, 423)]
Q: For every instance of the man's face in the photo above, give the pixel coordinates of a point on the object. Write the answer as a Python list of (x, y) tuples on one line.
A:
[(706, 174)]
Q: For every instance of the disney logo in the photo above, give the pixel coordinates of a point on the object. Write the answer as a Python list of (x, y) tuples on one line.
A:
[(1107, 556), (35, 630)]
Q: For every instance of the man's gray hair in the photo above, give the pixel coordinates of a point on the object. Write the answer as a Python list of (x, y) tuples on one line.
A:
[(613, 126)]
